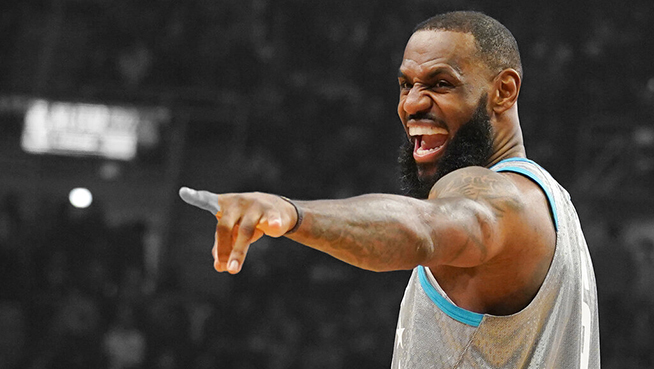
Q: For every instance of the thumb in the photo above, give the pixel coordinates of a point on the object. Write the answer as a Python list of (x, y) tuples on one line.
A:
[(201, 199), (272, 226)]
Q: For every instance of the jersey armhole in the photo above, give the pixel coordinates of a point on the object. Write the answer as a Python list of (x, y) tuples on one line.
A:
[(536, 179), (457, 313)]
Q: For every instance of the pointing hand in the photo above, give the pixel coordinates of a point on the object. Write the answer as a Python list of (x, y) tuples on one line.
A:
[(243, 218)]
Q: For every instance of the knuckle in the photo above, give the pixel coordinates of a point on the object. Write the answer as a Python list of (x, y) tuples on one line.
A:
[(241, 200)]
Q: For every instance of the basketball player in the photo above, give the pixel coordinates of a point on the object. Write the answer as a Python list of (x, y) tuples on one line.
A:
[(502, 277)]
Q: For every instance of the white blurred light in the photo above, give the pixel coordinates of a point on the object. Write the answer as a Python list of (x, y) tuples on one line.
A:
[(643, 136), (650, 84), (80, 197)]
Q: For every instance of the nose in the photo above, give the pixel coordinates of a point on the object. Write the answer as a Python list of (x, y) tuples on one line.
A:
[(416, 100)]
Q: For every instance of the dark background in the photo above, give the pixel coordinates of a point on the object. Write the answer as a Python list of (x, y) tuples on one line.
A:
[(296, 98)]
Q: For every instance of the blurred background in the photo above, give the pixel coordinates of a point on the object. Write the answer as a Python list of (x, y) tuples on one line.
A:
[(108, 107)]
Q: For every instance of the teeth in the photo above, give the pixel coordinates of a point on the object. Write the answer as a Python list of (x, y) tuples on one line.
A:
[(426, 131), (421, 151)]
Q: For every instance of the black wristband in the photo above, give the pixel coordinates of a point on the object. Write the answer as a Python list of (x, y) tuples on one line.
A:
[(300, 215)]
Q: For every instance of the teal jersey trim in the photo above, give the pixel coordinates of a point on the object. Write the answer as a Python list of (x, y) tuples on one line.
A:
[(455, 312), (534, 178)]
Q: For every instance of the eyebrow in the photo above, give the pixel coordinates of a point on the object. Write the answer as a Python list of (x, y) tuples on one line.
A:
[(434, 72)]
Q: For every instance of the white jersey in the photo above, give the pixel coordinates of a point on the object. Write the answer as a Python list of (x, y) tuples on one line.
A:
[(558, 329)]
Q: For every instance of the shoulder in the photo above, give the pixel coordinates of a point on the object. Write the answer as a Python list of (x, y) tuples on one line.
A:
[(479, 184), (517, 206), (516, 238)]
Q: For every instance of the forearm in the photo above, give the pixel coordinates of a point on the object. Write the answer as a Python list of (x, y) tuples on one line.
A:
[(377, 232)]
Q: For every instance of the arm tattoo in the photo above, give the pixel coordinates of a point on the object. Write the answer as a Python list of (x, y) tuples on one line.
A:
[(496, 193), (387, 232), (375, 231), (363, 242)]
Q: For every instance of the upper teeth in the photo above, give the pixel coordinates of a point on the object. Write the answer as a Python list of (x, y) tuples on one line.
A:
[(426, 130)]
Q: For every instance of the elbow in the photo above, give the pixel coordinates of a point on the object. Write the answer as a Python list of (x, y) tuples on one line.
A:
[(414, 249), (425, 249)]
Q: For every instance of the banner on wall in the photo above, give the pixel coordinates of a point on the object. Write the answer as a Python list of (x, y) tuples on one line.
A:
[(83, 129)]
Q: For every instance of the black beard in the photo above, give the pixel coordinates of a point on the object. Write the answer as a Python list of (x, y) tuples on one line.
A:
[(471, 146)]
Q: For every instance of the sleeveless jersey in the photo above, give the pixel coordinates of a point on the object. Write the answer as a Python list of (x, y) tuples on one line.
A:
[(558, 329)]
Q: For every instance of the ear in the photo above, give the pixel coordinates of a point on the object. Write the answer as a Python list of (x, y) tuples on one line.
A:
[(507, 89)]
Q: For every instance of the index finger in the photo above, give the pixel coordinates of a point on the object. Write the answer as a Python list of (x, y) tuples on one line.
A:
[(202, 199)]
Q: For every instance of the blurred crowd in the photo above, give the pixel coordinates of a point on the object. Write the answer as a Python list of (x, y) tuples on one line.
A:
[(74, 293), (309, 72), (319, 78)]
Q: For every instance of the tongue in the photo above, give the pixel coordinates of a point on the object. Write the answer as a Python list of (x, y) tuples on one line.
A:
[(432, 141)]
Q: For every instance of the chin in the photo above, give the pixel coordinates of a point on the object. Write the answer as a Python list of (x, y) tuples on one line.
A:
[(426, 171)]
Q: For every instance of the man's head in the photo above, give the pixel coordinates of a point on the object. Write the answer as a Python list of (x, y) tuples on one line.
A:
[(459, 81), (496, 45)]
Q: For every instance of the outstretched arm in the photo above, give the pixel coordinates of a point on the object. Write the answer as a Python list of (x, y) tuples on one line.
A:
[(384, 232), (461, 224), (464, 223)]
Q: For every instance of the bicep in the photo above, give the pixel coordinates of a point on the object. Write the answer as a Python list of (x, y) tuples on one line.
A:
[(479, 209), (464, 234)]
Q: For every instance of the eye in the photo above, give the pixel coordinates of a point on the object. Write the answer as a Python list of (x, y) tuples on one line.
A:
[(441, 83), (404, 85)]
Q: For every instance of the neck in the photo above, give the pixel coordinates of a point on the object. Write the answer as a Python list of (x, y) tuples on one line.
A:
[(508, 142), (517, 151)]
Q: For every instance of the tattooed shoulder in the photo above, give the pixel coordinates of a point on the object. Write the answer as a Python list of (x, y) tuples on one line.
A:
[(480, 184)]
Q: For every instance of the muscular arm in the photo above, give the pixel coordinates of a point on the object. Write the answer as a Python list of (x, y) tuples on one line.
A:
[(461, 224), (464, 223)]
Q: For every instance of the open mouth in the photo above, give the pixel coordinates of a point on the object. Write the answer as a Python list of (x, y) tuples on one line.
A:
[(428, 141)]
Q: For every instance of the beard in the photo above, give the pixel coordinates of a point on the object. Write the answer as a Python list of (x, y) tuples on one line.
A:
[(471, 146)]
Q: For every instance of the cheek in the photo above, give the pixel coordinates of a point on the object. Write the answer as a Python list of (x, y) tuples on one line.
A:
[(455, 112)]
